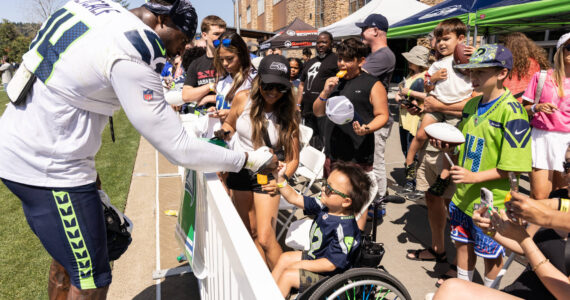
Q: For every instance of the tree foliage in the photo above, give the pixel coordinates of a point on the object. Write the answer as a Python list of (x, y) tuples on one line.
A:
[(15, 39)]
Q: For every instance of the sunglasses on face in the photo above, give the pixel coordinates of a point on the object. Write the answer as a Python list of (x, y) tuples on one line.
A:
[(225, 42), (567, 47), (271, 86), (329, 190), (566, 165)]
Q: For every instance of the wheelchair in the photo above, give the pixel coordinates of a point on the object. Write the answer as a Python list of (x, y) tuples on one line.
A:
[(366, 280)]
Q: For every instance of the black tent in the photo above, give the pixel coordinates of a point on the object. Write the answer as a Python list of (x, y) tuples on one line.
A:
[(298, 34)]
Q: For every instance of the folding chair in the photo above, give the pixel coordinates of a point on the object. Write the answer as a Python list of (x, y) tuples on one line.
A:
[(305, 134), (311, 163)]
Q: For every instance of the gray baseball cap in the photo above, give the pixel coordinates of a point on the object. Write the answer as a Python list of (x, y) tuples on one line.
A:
[(418, 56)]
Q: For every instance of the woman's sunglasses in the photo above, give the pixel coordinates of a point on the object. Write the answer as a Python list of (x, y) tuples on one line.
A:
[(225, 42), (270, 86), (566, 164), (567, 47), (329, 190)]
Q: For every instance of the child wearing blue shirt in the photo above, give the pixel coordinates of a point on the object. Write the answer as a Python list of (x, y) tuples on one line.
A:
[(335, 237)]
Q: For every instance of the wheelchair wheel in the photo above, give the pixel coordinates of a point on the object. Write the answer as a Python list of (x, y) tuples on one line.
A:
[(361, 283)]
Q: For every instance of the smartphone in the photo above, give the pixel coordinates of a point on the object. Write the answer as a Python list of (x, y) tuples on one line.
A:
[(409, 104), (486, 200)]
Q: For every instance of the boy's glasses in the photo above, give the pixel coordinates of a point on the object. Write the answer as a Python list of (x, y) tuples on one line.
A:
[(270, 86), (566, 166), (225, 42), (329, 190)]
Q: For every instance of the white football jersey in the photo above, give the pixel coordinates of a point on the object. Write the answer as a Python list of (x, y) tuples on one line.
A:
[(76, 47)]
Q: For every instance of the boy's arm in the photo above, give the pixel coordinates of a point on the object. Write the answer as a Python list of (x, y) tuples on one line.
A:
[(286, 190), (321, 265), (462, 175)]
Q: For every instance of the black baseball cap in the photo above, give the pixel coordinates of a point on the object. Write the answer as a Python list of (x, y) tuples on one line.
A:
[(274, 69), (374, 20)]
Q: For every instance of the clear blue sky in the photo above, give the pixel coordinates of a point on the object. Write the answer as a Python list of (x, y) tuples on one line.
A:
[(15, 11)]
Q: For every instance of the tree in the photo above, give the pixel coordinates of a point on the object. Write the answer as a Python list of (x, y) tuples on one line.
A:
[(40, 10), (124, 3)]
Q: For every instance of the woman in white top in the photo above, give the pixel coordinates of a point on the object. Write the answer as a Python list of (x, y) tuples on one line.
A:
[(234, 69), (265, 116)]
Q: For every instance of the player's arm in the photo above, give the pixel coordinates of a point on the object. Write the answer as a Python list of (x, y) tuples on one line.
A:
[(159, 124)]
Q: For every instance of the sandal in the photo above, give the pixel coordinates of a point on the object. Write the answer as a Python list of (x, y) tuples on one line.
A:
[(444, 277), (441, 257)]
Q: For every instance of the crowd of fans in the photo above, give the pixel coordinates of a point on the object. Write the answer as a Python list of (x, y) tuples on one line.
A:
[(511, 106)]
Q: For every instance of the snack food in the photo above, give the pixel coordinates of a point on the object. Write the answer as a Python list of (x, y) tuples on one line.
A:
[(341, 73)]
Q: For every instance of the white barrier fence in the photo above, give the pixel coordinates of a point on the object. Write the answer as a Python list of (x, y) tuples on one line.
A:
[(220, 250)]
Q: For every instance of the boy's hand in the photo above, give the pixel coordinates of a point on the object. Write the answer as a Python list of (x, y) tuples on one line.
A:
[(525, 208), (360, 130), (462, 175), (330, 84), (441, 145), (440, 74), (484, 223)]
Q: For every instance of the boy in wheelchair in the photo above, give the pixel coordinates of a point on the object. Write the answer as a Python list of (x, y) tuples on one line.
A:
[(335, 237)]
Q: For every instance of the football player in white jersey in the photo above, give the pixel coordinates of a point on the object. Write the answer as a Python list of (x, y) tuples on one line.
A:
[(90, 58)]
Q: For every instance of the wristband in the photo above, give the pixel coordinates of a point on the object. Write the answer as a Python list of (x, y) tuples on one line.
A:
[(298, 104), (533, 108), (563, 205), (212, 87), (408, 94), (540, 264), (323, 99), (282, 184)]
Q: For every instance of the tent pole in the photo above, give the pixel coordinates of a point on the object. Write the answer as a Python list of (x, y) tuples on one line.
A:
[(475, 36)]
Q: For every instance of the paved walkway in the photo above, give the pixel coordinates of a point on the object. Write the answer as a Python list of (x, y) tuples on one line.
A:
[(405, 227)]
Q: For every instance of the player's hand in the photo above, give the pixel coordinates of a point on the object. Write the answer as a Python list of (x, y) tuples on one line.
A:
[(280, 171), (221, 114), (546, 108), (508, 228), (330, 84), (440, 74), (523, 207), (440, 145), (462, 175), (207, 99), (360, 130), (482, 222), (271, 188)]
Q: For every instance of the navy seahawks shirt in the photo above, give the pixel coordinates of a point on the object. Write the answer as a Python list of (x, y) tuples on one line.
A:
[(333, 237)]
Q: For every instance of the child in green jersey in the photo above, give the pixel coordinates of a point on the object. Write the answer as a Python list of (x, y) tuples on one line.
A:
[(497, 140)]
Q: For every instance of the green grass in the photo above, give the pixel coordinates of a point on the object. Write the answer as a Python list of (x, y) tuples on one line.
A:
[(24, 263)]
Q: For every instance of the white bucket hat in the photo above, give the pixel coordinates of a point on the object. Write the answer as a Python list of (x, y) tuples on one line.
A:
[(562, 40)]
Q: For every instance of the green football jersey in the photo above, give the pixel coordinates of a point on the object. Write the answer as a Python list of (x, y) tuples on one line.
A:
[(499, 138)]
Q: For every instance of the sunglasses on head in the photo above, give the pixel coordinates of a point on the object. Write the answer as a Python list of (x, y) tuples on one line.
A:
[(329, 190), (566, 165), (225, 42), (271, 86)]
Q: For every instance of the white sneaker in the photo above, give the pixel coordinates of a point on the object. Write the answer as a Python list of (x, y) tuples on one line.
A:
[(258, 159)]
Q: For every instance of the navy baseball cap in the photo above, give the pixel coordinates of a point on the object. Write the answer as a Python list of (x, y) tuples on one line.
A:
[(374, 20), (274, 69), (181, 12), (490, 55)]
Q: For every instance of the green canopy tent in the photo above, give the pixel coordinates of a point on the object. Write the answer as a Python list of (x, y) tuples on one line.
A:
[(491, 17)]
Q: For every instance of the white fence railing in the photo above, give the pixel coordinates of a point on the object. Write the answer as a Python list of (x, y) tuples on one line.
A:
[(220, 250)]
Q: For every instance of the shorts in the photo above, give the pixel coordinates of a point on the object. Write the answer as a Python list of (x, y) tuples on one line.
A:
[(307, 278), (246, 180), (429, 167), (549, 149), (70, 225), (464, 230)]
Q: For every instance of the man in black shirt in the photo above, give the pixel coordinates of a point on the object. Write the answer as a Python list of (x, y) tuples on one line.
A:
[(199, 85), (315, 73)]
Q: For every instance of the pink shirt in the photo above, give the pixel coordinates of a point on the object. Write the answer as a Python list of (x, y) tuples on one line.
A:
[(560, 119)]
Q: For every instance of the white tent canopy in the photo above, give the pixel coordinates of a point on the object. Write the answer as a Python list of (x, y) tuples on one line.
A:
[(394, 11)]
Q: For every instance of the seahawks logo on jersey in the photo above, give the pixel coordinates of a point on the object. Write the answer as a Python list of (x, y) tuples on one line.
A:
[(148, 56)]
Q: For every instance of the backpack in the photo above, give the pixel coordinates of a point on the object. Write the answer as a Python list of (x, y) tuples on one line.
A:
[(119, 228)]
